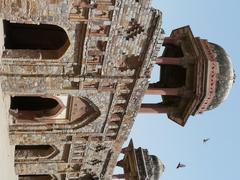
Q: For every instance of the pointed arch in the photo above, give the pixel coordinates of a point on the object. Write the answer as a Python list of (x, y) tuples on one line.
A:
[(34, 41), (72, 112), (34, 152), (35, 108), (82, 112)]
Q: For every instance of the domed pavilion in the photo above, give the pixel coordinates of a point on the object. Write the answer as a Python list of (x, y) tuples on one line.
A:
[(138, 164), (196, 76)]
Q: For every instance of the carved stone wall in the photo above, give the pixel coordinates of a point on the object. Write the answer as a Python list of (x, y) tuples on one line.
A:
[(103, 71)]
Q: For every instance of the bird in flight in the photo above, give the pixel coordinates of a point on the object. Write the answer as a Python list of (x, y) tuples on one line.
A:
[(206, 140), (180, 165)]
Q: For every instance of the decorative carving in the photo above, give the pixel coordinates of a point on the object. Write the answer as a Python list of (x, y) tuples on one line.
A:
[(93, 69), (107, 86), (101, 45), (122, 99), (80, 109), (119, 108), (133, 62), (103, 14), (99, 30), (99, 148), (77, 153), (134, 29), (94, 162), (95, 59), (35, 152), (116, 117), (79, 10), (90, 85), (125, 87)]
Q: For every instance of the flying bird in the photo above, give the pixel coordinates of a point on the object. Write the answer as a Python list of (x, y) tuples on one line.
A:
[(180, 165), (206, 140)]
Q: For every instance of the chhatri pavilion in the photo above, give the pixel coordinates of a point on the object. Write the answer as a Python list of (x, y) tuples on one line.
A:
[(196, 76)]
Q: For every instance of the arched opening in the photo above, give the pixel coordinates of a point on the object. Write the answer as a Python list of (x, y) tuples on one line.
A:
[(34, 107), (36, 177), (25, 40), (32, 152)]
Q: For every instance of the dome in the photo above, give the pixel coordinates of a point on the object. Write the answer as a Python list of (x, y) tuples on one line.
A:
[(157, 168), (225, 76)]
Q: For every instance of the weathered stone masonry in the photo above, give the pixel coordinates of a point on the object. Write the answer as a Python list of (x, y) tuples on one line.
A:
[(98, 68)]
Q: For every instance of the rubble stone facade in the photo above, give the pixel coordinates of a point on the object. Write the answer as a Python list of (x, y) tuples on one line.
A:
[(76, 72)]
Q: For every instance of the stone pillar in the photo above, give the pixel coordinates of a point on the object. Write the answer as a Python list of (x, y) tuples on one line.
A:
[(169, 61), (164, 91), (156, 108)]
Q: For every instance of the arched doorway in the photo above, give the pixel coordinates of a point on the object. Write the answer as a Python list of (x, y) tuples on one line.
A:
[(29, 40), (60, 111), (34, 152), (35, 107)]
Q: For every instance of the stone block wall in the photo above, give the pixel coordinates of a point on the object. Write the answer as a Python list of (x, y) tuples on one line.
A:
[(107, 59)]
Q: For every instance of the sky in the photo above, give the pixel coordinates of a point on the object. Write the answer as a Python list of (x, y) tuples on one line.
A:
[(218, 21)]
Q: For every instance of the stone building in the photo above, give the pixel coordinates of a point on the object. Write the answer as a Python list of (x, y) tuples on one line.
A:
[(77, 70), (196, 76)]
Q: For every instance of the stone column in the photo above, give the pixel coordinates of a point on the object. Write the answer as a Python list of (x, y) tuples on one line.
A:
[(156, 108), (164, 91), (169, 61)]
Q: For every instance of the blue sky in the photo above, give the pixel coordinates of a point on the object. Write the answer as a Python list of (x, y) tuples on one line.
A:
[(218, 21)]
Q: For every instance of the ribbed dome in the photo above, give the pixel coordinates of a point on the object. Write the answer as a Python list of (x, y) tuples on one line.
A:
[(157, 168), (225, 77)]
